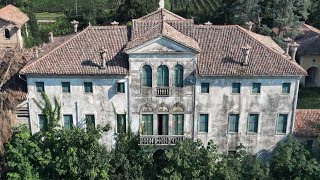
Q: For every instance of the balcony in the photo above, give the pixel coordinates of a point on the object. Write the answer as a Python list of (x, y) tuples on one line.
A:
[(163, 91), (165, 140)]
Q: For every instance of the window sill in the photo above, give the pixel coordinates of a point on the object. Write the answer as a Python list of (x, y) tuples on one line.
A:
[(203, 133), (281, 134), (233, 133), (252, 133)]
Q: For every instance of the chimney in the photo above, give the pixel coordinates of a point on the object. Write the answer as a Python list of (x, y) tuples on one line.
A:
[(249, 25), (103, 56), (36, 52), (208, 23), (294, 48), (161, 4), (288, 41), (75, 25), (245, 52), (114, 23), (89, 24), (50, 37)]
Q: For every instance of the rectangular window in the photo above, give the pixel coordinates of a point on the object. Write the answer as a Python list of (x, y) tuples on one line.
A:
[(233, 123), (286, 88), (120, 87), (121, 123), (65, 87), (203, 123), (178, 120), (88, 87), (68, 121), (147, 124), (205, 87), (256, 88), (282, 123), (40, 86), (43, 123), (236, 88), (253, 123), (90, 121)]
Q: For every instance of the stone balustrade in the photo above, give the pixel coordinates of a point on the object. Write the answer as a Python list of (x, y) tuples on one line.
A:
[(161, 139)]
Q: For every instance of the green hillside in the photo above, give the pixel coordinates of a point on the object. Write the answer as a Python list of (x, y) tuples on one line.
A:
[(194, 6)]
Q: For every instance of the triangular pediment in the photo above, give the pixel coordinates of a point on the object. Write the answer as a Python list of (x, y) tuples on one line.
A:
[(161, 45)]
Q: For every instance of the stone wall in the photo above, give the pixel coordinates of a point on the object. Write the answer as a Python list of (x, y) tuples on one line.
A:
[(307, 62), (15, 39)]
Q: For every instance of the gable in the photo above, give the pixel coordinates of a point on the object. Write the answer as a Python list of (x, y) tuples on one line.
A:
[(161, 45)]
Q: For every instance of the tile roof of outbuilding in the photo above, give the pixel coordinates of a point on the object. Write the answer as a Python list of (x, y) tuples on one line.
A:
[(220, 49), (307, 123), (12, 14), (309, 40)]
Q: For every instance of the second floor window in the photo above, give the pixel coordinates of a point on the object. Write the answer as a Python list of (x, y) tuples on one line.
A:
[(88, 87), (236, 88), (203, 123), (256, 88), (233, 123), (120, 87), (282, 124), (178, 124), (253, 123), (40, 86), (205, 87), (178, 76), (163, 76), (147, 124), (146, 76), (286, 88), (65, 87), (7, 33)]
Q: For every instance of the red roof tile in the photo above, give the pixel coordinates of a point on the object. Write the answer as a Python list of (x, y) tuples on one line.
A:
[(307, 123), (12, 14)]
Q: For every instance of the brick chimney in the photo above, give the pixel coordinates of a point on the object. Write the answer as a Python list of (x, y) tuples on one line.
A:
[(50, 37), (249, 25), (245, 55), (75, 25), (103, 56), (294, 47), (288, 41), (114, 23)]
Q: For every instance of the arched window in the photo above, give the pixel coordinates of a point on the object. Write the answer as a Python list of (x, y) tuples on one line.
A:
[(7, 33), (163, 76), (147, 76), (178, 76)]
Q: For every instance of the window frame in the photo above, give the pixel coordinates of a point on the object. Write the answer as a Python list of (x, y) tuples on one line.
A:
[(86, 120), (62, 87), (256, 93), (165, 73), (206, 123), (118, 88), (7, 33), (91, 86), (42, 86), (45, 120), (282, 89), (178, 72), (124, 127), (207, 92), (71, 121), (145, 79), (152, 123), (237, 123), (286, 126), (175, 121), (248, 123), (235, 93)]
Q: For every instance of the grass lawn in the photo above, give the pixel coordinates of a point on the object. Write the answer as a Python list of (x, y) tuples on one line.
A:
[(49, 16), (309, 98)]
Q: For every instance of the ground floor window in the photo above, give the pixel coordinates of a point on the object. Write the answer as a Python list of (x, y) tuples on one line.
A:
[(90, 121), (163, 123), (43, 123), (147, 124), (253, 123), (233, 123), (178, 120), (68, 123), (203, 123), (282, 124), (121, 123)]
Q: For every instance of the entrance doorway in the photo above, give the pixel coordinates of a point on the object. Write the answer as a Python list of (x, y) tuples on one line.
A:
[(313, 73), (163, 120)]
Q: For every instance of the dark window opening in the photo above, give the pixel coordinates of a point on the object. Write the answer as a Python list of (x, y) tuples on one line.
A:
[(7, 33), (205, 87), (120, 87)]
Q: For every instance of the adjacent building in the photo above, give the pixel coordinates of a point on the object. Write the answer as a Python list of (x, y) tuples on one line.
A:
[(11, 22), (170, 80)]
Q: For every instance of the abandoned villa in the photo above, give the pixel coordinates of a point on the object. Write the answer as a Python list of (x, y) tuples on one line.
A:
[(170, 80)]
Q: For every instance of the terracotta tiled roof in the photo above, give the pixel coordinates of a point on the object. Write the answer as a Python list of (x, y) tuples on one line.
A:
[(165, 30), (307, 123), (220, 49), (80, 54), (221, 53), (12, 14), (309, 40)]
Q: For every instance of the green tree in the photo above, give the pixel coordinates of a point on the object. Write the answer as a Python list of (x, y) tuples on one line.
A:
[(244, 11), (292, 161)]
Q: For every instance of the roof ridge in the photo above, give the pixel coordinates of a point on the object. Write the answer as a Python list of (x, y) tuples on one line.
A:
[(52, 51), (311, 28), (271, 49), (161, 10)]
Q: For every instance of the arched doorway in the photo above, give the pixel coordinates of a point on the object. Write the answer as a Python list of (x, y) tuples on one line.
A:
[(313, 76)]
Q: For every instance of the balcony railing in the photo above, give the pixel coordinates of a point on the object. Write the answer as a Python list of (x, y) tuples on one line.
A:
[(161, 139), (163, 91)]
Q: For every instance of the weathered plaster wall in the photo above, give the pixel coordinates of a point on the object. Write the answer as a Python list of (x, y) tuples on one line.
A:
[(307, 62), (220, 102), (78, 103), (15, 35), (140, 96)]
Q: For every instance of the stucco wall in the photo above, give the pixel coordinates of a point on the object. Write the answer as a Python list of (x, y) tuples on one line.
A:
[(78, 103), (307, 62), (220, 102), (14, 32)]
